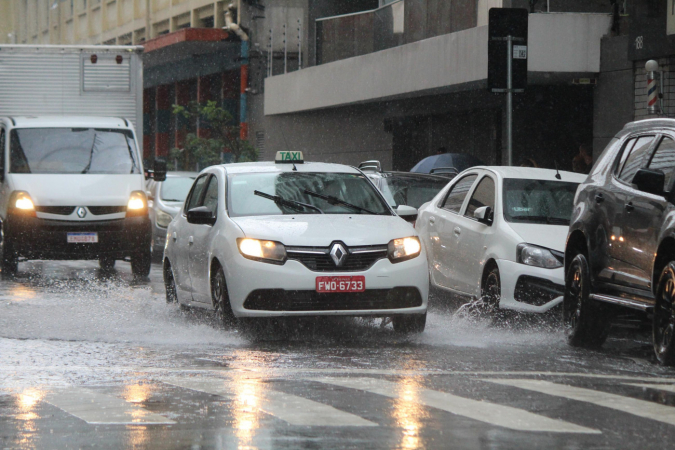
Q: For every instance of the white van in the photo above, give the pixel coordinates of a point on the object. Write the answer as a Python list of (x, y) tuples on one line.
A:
[(73, 188), (71, 170)]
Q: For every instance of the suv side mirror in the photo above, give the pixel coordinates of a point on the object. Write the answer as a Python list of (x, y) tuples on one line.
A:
[(650, 181), (484, 215), (407, 213), (201, 215), (159, 170)]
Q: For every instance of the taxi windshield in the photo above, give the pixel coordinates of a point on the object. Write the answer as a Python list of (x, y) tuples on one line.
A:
[(257, 194)]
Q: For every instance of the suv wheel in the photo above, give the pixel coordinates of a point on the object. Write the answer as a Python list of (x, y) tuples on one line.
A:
[(663, 325), (585, 322)]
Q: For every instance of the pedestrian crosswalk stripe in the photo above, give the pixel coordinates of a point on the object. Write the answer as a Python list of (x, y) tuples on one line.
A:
[(641, 408), (660, 387), (289, 408), (492, 413), (101, 409)]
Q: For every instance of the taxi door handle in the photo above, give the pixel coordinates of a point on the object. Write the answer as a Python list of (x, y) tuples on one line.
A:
[(191, 240), (174, 236), (432, 220), (457, 231)]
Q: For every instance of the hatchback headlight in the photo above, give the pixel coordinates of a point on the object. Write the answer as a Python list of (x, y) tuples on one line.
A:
[(265, 251), (533, 255), (162, 219), (403, 249)]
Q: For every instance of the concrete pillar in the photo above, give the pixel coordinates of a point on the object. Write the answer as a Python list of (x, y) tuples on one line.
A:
[(182, 123), (148, 124)]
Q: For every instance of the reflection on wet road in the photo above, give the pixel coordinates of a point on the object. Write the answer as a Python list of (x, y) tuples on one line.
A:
[(90, 358)]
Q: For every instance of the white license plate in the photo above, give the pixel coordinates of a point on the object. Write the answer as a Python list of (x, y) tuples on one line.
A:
[(82, 238)]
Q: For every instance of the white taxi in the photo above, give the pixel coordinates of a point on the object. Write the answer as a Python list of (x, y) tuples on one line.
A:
[(289, 238)]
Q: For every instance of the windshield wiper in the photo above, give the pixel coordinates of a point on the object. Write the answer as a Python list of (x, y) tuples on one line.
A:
[(545, 219), (336, 201), (290, 203), (91, 155)]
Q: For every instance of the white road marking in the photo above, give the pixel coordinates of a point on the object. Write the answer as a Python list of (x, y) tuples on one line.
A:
[(102, 409), (641, 408), (289, 408), (492, 413), (660, 387)]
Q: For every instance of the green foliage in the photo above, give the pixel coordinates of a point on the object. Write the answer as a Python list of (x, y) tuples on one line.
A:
[(224, 136)]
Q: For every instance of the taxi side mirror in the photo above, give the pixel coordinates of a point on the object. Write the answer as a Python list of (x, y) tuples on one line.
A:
[(484, 215), (407, 213), (201, 215)]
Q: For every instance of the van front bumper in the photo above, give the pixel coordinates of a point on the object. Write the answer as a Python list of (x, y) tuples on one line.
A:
[(36, 238)]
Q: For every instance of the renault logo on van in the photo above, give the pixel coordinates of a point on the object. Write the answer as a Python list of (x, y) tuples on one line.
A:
[(81, 212), (338, 254)]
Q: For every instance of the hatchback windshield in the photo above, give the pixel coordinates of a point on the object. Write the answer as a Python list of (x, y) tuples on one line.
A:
[(73, 150), (538, 201), (411, 191), (255, 194), (175, 189)]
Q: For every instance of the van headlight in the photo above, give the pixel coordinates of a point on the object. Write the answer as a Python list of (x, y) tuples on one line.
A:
[(403, 249), (20, 202), (162, 219), (265, 251), (137, 204), (533, 255)]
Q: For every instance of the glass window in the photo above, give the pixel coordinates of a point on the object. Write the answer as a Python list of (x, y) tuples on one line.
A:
[(664, 159), (196, 194), (299, 193), (484, 195), (538, 201), (410, 190), (624, 154), (175, 189), (211, 196), (636, 158), (72, 151), (453, 202)]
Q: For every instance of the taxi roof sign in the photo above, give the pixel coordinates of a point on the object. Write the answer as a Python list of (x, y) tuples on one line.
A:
[(289, 157)]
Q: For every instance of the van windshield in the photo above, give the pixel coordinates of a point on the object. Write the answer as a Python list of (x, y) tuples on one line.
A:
[(73, 150)]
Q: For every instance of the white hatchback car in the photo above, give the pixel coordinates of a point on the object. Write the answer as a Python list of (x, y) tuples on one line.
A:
[(295, 239), (498, 233)]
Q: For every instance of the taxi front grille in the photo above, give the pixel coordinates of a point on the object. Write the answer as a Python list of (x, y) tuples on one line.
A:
[(318, 259), (373, 299)]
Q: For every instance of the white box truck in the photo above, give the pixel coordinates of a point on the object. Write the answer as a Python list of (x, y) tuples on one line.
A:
[(71, 171)]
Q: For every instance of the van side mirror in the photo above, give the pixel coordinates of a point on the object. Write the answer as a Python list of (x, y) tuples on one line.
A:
[(407, 213), (159, 170), (650, 181), (201, 215), (484, 215)]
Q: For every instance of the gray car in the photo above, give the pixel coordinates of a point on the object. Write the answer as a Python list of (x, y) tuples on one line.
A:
[(164, 200)]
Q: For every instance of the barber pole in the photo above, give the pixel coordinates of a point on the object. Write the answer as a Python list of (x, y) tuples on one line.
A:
[(651, 93)]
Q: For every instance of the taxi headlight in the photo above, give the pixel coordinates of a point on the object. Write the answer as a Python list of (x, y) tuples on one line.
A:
[(266, 251), (162, 219), (21, 202), (138, 204), (404, 248), (533, 255)]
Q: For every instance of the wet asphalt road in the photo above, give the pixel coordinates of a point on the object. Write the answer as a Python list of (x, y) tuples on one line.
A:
[(92, 360)]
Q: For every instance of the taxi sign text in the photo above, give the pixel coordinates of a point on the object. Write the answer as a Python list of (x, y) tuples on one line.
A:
[(289, 156)]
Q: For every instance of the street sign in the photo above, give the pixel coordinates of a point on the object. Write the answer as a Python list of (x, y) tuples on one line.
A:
[(502, 23)]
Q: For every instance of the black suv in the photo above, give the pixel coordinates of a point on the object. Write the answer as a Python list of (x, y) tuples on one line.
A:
[(620, 249)]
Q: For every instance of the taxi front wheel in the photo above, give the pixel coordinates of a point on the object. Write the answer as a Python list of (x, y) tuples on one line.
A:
[(221, 300), (410, 323)]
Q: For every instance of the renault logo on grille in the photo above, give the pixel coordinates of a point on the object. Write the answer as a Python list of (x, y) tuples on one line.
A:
[(81, 212), (338, 254)]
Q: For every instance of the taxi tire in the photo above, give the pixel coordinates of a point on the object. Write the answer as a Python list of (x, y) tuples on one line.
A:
[(409, 323), (141, 263), (170, 285), (585, 322), (221, 299)]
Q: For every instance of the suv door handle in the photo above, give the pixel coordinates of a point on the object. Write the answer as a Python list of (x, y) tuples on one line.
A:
[(174, 236), (599, 198), (432, 220), (457, 231), (629, 206)]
